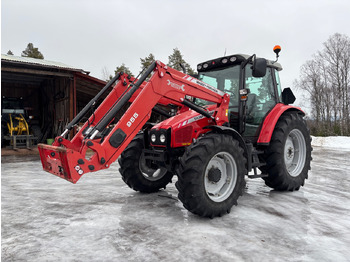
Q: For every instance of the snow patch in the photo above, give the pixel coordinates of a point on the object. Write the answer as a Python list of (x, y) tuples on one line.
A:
[(336, 142)]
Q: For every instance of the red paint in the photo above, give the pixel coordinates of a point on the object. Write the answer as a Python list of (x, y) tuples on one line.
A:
[(167, 86), (271, 120)]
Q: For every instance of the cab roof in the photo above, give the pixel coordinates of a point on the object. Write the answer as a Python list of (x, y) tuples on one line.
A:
[(230, 60)]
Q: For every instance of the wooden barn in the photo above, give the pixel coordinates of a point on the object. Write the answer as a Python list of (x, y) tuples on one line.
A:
[(51, 92)]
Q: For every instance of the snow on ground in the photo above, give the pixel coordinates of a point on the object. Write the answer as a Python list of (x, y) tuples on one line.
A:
[(336, 142), (45, 218)]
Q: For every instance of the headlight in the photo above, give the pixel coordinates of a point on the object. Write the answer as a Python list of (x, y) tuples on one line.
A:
[(159, 137), (153, 138), (162, 138)]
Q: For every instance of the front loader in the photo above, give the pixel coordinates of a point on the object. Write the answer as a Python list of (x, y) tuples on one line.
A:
[(230, 120)]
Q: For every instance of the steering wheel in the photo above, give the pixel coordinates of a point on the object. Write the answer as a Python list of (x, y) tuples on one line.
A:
[(231, 93)]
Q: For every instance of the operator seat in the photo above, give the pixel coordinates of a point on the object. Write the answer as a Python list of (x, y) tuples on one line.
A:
[(251, 108)]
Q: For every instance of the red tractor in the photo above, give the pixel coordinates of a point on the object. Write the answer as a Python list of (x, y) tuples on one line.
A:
[(233, 118)]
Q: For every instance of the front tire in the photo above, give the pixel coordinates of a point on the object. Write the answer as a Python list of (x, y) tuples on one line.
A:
[(289, 154), (211, 175), (138, 174)]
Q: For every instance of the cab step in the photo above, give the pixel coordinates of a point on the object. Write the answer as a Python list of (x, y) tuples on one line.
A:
[(257, 176)]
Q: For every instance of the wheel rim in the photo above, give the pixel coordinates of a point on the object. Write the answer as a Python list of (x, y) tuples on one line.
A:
[(295, 152), (220, 177), (151, 174)]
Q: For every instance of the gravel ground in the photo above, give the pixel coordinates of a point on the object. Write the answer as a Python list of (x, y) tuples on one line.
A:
[(45, 218)]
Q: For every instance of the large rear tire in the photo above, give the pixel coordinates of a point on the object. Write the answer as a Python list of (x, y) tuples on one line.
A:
[(139, 175), (36, 130), (289, 154), (211, 175)]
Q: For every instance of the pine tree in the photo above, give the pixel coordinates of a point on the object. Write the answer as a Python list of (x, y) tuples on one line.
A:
[(176, 59), (9, 52), (124, 69), (32, 51), (147, 61)]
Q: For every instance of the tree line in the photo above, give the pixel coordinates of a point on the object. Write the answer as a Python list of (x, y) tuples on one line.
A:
[(30, 51), (326, 79), (175, 60)]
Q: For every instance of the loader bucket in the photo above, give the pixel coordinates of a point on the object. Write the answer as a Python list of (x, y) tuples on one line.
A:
[(60, 161)]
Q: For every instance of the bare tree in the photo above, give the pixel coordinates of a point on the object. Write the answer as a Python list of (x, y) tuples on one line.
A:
[(106, 74), (326, 78)]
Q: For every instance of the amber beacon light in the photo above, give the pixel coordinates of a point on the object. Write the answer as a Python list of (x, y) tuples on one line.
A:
[(277, 49)]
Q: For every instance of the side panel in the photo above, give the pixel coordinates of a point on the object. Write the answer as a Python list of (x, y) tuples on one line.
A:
[(271, 120)]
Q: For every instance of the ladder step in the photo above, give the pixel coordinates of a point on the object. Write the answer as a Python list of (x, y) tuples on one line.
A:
[(257, 152), (258, 164), (258, 176)]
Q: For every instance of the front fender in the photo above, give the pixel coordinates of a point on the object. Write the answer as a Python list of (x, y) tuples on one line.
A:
[(271, 119), (232, 132)]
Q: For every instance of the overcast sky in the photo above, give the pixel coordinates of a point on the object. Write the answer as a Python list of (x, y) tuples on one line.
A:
[(93, 35)]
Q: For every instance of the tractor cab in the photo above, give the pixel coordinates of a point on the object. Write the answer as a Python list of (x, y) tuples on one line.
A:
[(253, 85)]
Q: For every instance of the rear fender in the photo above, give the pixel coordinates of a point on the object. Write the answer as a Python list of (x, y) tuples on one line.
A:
[(271, 120)]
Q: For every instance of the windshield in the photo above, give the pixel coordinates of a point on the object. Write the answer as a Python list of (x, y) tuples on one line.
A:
[(224, 79)]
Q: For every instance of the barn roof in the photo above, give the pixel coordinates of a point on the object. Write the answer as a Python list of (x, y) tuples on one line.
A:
[(39, 62)]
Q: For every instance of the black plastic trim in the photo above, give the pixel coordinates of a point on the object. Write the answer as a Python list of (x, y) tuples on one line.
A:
[(117, 138)]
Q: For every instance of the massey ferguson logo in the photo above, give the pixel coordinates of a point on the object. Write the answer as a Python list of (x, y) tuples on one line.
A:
[(176, 86)]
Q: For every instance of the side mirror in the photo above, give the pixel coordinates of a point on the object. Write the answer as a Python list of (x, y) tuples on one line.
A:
[(259, 67), (288, 96)]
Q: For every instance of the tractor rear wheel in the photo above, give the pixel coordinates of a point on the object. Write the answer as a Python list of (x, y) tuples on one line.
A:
[(137, 173), (36, 130), (211, 175), (289, 154)]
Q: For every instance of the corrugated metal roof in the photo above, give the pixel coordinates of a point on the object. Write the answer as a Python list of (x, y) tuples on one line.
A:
[(39, 62)]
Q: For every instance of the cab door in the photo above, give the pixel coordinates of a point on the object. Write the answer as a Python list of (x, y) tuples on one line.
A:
[(261, 99)]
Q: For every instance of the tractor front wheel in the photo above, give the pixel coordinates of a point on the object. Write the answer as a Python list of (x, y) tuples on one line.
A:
[(211, 175), (289, 154), (137, 173)]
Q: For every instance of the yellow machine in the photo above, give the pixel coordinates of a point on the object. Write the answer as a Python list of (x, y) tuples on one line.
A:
[(15, 130), (21, 128)]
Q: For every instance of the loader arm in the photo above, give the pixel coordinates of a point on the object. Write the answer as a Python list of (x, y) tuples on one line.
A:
[(99, 143)]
